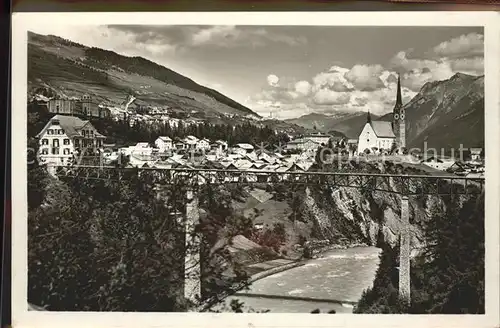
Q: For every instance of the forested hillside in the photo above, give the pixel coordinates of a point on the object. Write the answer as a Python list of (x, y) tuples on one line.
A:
[(448, 276)]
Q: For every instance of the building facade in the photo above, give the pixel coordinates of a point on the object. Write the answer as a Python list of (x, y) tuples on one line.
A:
[(164, 143), (303, 144), (203, 144), (475, 154), (63, 106), (385, 135), (86, 106), (89, 107), (65, 137), (376, 135), (319, 138)]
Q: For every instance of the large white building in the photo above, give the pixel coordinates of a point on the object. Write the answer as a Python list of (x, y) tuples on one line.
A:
[(65, 136), (319, 138), (164, 143), (203, 144), (303, 144), (376, 134), (384, 135)]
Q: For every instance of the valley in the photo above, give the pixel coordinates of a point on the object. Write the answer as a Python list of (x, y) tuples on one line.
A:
[(150, 192)]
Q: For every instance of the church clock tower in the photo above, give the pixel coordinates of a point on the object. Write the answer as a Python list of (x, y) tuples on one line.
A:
[(399, 119)]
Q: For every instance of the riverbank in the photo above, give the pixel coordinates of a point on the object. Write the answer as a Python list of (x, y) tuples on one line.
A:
[(275, 269), (333, 281)]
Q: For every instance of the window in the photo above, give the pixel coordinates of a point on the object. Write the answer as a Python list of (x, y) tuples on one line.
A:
[(55, 143), (45, 141), (57, 108), (55, 151), (66, 142), (50, 131), (44, 151), (61, 131), (66, 151), (92, 133)]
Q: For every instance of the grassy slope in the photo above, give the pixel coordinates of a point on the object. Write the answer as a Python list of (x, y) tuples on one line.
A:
[(73, 69)]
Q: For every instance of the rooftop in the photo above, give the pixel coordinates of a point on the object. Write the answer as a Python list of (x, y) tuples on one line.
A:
[(70, 124), (244, 146), (383, 129), (318, 134)]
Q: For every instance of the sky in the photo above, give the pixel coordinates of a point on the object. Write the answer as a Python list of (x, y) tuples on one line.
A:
[(291, 71)]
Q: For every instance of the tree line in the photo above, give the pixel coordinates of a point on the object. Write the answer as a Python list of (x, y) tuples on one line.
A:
[(122, 132)]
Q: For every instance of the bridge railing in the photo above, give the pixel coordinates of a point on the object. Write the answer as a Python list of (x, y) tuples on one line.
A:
[(392, 183)]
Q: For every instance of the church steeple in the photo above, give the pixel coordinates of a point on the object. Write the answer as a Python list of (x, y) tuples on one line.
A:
[(368, 117), (399, 98), (399, 119)]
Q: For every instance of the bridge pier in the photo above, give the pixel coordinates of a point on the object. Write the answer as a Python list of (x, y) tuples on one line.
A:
[(192, 268), (404, 252)]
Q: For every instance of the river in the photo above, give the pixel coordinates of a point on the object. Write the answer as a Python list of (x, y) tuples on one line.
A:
[(340, 275)]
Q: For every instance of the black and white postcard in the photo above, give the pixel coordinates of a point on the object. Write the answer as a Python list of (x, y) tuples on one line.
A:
[(255, 169)]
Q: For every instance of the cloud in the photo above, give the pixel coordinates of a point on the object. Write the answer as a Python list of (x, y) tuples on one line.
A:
[(461, 54), (365, 77), (303, 88), (474, 66), (401, 62), (359, 88), (334, 79), (391, 78), (273, 80), (467, 45), (233, 36), (329, 97), (417, 72), (221, 34)]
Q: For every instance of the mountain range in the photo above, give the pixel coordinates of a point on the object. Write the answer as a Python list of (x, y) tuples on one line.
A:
[(348, 123), (445, 114)]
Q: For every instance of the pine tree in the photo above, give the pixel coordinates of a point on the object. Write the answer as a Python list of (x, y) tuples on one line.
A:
[(455, 247)]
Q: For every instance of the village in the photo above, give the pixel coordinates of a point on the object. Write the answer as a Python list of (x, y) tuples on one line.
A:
[(65, 140), (87, 105)]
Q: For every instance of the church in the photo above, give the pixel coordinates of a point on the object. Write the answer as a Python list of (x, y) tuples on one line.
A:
[(385, 134)]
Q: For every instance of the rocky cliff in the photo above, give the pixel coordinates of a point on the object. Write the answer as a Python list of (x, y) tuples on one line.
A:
[(343, 216)]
